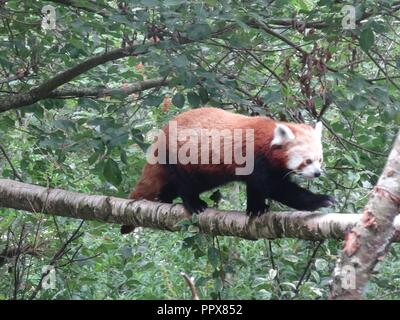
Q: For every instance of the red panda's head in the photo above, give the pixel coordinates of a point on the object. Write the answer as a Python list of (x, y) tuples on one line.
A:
[(302, 146)]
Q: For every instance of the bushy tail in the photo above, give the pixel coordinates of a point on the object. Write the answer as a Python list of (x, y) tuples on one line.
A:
[(153, 178)]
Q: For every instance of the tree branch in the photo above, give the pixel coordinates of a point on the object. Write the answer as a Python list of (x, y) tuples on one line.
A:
[(191, 285), (15, 172), (102, 12), (381, 69), (261, 25), (44, 90), (304, 225), (20, 75), (64, 93), (370, 239), (287, 22)]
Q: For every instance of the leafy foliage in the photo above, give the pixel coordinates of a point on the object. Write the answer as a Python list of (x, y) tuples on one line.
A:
[(222, 53)]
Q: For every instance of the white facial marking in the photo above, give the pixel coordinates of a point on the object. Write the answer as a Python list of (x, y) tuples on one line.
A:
[(305, 153), (312, 170), (294, 161), (282, 135), (318, 129)]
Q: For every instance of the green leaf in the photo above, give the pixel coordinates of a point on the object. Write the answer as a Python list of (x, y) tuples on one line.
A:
[(379, 27), (137, 137), (180, 61), (194, 99), (93, 158), (187, 79), (119, 95), (76, 43), (124, 157), (153, 101), (173, 2), (204, 95), (264, 294), (178, 100), (119, 18), (302, 5), (150, 3), (273, 97), (213, 256), (359, 102), (112, 173), (367, 39), (4, 62), (198, 31), (324, 2), (65, 124), (6, 122)]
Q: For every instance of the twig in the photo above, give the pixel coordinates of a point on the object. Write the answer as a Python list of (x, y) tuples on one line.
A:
[(271, 257), (17, 277), (261, 25), (16, 174), (75, 235), (340, 138), (307, 268), (18, 76), (102, 12), (191, 285), (382, 70), (67, 93), (268, 68)]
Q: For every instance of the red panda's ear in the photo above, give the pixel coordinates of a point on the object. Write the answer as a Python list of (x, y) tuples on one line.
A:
[(282, 135), (318, 129)]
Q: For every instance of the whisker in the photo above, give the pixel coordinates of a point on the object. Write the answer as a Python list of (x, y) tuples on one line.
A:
[(291, 171)]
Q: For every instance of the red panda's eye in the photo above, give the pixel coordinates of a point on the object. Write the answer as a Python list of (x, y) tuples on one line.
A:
[(308, 161)]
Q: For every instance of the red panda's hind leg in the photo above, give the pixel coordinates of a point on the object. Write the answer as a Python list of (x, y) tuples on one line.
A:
[(188, 188), (168, 193), (255, 200)]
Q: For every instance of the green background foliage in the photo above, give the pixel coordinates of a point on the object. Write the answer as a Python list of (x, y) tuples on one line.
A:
[(220, 53)]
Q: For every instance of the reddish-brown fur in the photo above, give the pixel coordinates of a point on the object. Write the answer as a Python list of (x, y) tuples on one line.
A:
[(154, 176)]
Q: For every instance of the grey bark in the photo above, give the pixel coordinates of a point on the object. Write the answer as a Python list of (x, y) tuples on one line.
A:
[(303, 225), (64, 93), (370, 239)]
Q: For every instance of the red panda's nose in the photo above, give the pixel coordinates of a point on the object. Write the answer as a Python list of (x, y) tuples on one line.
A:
[(317, 174)]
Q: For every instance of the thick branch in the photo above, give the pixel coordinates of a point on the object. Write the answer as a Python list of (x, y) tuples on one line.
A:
[(103, 12), (63, 93), (44, 90), (287, 22), (370, 239), (303, 225)]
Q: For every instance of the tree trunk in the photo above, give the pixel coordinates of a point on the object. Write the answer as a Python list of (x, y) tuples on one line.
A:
[(371, 237)]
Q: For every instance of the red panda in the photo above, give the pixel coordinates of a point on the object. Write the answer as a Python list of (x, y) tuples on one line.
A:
[(276, 149)]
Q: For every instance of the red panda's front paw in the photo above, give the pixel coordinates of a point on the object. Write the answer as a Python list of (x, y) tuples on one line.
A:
[(195, 206), (257, 211), (327, 201)]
